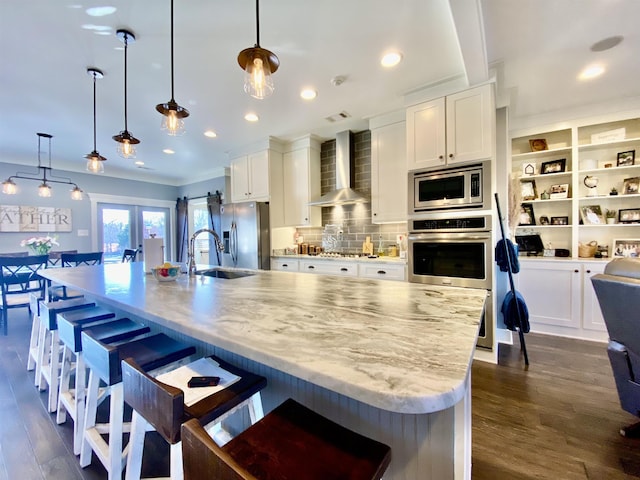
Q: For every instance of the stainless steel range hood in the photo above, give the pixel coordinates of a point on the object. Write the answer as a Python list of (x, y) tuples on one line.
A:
[(343, 194)]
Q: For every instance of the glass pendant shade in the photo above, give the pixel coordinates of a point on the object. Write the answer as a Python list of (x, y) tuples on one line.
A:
[(76, 193), (44, 190), (9, 187), (94, 162)]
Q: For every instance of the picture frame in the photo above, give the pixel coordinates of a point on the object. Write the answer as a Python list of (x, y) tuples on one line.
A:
[(544, 220), (592, 215), (626, 248), (629, 215), (528, 189), (529, 169), (626, 159), (553, 166), (526, 215), (559, 191), (538, 144), (559, 220), (631, 186)]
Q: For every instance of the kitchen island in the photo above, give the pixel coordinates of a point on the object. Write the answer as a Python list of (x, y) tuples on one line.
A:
[(390, 360)]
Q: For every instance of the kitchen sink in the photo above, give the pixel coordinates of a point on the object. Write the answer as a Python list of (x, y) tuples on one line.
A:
[(228, 274)]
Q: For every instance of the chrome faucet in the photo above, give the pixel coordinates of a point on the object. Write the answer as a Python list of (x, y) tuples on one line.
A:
[(192, 249)]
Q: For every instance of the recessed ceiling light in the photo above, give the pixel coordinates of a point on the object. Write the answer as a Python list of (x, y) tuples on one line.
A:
[(97, 28), (139, 163), (606, 43), (210, 134), (251, 117), (308, 94), (590, 72), (391, 59), (168, 151), (100, 11)]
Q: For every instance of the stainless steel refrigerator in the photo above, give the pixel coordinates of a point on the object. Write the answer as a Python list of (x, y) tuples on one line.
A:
[(246, 236)]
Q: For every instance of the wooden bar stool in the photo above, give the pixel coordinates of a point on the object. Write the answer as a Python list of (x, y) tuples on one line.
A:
[(289, 442), (104, 363), (103, 326), (161, 407), (48, 361)]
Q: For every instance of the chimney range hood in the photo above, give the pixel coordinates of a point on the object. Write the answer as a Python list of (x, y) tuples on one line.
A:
[(343, 194)]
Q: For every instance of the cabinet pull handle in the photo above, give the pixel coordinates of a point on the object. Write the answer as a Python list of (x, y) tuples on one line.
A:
[(576, 271), (381, 272), (284, 265), (344, 269), (311, 267)]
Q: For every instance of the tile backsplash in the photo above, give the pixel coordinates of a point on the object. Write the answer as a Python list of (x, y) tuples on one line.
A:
[(355, 219)]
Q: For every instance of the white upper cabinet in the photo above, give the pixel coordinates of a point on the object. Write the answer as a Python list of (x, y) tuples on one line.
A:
[(250, 177), (389, 173), (454, 129), (301, 184)]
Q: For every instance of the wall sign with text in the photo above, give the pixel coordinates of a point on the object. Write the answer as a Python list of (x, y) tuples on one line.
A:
[(15, 218)]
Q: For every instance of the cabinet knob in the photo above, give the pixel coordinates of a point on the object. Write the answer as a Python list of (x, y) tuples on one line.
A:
[(344, 269), (451, 155), (284, 265), (381, 272), (576, 271), (588, 271), (441, 157), (306, 219), (311, 267), (375, 214)]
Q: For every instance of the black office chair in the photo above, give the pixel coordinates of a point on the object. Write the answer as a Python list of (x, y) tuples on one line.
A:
[(618, 292), (18, 279), (129, 255)]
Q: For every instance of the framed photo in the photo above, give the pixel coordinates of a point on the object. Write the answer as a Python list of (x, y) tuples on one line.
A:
[(528, 188), (630, 186), (529, 169), (559, 191), (626, 159), (626, 248), (559, 220), (629, 215), (526, 215), (538, 144), (554, 166), (592, 215), (544, 220)]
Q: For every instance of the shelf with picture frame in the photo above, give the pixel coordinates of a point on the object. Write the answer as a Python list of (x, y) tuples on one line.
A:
[(608, 150)]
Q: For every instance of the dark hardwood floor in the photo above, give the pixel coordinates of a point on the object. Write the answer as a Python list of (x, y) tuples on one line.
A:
[(557, 420)]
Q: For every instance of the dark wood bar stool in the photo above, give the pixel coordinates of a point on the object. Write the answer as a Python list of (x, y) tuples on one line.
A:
[(289, 442), (105, 327), (161, 407), (48, 362), (104, 362)]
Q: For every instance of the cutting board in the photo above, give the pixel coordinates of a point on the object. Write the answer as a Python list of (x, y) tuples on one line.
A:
[(367, 246)]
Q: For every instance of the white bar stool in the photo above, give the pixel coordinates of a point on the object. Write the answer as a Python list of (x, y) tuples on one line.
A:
[(34, 307), (161, 407)]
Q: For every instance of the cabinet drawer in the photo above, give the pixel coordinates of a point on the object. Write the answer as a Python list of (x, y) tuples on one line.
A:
[(382, 272), (285, 264), (330, 268)]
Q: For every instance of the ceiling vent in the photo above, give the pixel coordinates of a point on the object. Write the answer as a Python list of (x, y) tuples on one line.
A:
[(337, 117)]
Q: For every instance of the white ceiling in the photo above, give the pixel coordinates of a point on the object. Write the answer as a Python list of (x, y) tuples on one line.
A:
[(536, 46)]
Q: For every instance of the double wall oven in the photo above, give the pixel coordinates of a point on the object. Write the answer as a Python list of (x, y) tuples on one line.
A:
[(454, 247)]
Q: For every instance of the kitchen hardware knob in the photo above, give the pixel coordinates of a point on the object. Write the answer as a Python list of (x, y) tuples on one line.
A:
[(588, 271), (451, 155), (343, 269), (381, 272), (441, 157), (375, 214), (576, 271), (311, 267), (284, 265)]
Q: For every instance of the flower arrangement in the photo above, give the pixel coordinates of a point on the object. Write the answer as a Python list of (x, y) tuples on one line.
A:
[(39, 245)]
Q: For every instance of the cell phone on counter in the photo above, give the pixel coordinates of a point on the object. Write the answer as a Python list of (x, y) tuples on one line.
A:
[(195, 382)]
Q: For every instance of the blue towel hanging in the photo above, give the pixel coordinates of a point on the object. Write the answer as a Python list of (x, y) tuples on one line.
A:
[(510, 313)]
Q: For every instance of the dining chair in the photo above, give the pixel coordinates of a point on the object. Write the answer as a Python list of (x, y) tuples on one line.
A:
[(72, 259), (55, 258), (129, 255), (18, 279)]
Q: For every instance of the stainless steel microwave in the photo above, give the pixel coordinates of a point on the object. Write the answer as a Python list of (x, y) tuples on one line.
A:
[(467, 187)]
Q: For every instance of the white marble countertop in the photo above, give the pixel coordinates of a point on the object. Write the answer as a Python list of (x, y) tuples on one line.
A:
[(361, 259), (398, 346)]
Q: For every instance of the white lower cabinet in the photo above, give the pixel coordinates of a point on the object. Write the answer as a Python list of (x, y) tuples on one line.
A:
[(560, 298), (381, 271), (331, 267), (285, 264)]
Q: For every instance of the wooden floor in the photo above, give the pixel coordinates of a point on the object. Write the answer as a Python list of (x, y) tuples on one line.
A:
[(557, 420)]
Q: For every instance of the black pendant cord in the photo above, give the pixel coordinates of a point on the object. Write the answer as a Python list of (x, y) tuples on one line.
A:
[(172, 91), (94, 111), (257, 23), (126, 37)]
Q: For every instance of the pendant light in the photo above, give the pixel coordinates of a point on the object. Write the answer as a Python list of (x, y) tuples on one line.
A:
[(173, 113), (127, 142), (259, 64), (94, 159)]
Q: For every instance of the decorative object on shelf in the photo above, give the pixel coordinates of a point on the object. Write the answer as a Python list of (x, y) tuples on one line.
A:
[(591, 182), (630, 186), (591, 215), (609, 136), (529, 191), (629, 215), (173, 113), (544, 220), (95, 161), (526, 215), (559, 191), (613, 192), (626, 159), (545, 195), (554, 166), (626, 248), (608, 165), (44, 190), (588, 164), (126, 141), (587, 250), (529, 169), (559, 220), (40, 245), (259, 64), (610, 216), (603, 250), (538, 144), (529, 244)]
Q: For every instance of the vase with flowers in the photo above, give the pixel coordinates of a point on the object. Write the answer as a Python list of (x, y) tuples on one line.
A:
[(39, 245)]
